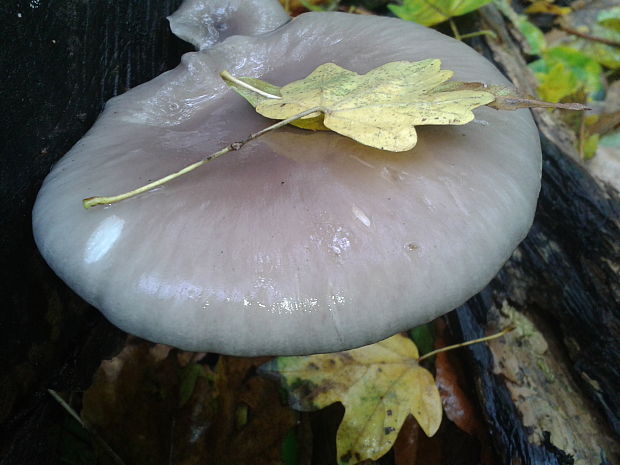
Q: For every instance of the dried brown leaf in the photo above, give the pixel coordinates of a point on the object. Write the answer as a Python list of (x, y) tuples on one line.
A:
[(134, 404), (252, 420), (156, 405)]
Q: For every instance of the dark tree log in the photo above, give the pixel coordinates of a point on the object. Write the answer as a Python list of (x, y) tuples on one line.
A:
[(562, 280), (61, 61), (562, 277)]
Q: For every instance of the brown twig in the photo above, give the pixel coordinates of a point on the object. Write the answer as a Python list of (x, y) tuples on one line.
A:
[(583, 35), (103, 200), (115, 457)]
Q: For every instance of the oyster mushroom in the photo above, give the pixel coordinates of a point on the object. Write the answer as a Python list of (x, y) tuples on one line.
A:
[(301, 242)]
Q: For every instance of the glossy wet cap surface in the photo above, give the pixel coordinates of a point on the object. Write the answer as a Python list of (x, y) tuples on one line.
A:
[(301, 242)]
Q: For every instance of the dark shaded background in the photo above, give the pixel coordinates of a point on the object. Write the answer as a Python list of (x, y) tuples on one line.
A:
[(61, 60)]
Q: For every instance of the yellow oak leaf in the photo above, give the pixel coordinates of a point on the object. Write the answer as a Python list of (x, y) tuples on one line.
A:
[(379, 108), (379, 386), (265, 88)]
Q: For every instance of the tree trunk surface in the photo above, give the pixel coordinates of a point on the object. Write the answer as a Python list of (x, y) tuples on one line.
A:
[(550, 396), (61, 61), (547, 392)]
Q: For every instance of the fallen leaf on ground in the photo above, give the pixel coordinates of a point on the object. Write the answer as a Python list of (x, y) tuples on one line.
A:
[(295, 7), (135, 402), (379, 386), (456, 404), (546, 7), (431, 12), (155, 405), (560, 65), (594, 30), (251, 421), (407, 442)]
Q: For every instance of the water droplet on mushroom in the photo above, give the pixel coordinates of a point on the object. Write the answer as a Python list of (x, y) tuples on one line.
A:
[(285, 305), (339, 244), (162, 289), (393, 175), (360, 215), (429, 204), (411, 247)]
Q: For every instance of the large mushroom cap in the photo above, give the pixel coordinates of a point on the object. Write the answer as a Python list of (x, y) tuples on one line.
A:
[(301, 242)]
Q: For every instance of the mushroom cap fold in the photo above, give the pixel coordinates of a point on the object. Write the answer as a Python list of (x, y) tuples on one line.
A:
[(203, 23), (302, 242)]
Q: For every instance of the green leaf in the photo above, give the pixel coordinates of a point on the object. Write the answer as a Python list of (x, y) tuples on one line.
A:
[(557, 83), (610, 18), (422, 337), (534, 37), (547, 7), (290, 449), (606, 55), (379, 386), (431, 12), (330, 6), (589, 146), (189, 376), (599, 20), (562, 71)]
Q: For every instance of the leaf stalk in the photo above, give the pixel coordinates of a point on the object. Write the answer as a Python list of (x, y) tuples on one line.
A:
[(106, 200), (229, 77), (467, 343)]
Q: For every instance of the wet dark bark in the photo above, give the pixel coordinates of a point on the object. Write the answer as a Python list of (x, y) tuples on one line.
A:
[(564, 277), (563, 273), (61, 60)]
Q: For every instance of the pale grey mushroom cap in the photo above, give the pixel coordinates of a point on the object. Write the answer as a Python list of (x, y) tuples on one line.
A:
[(203, 23), (301, 242)]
